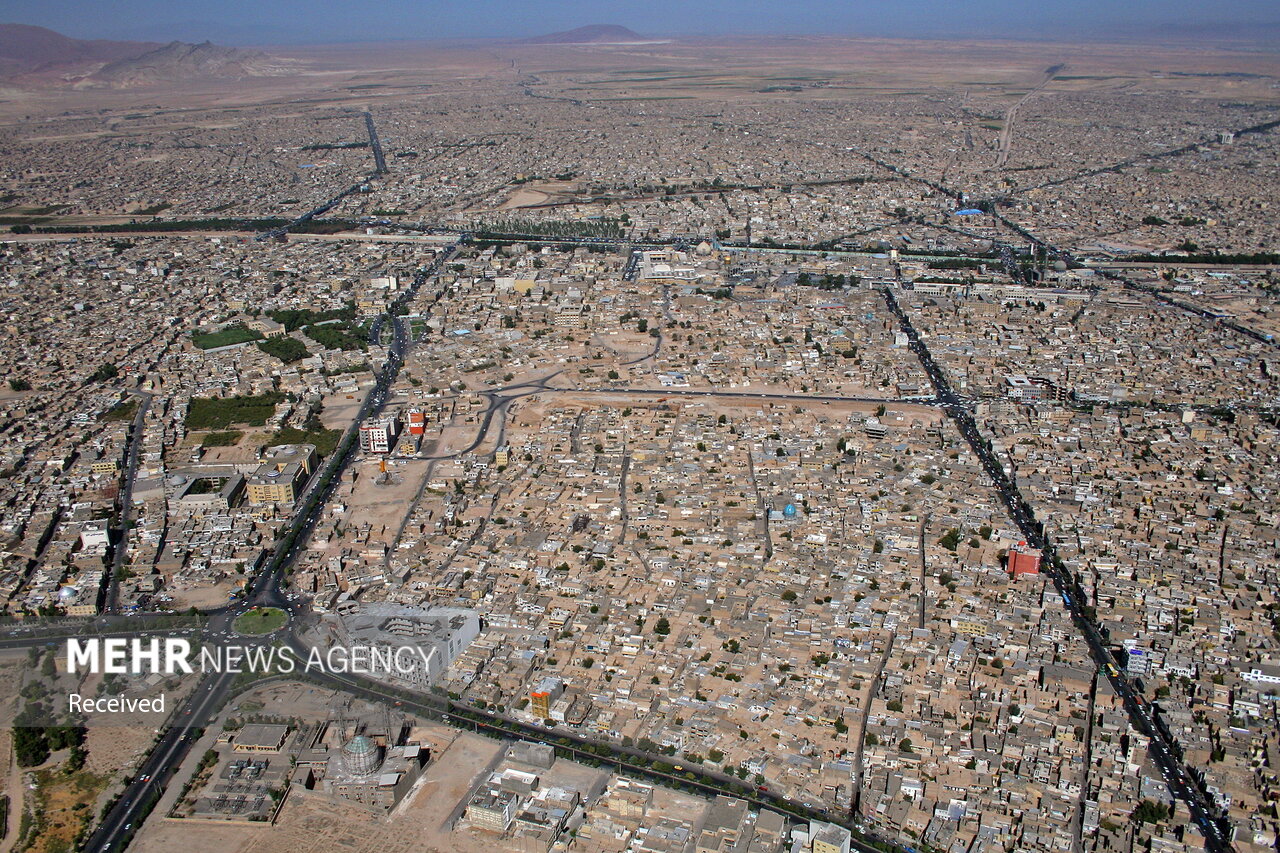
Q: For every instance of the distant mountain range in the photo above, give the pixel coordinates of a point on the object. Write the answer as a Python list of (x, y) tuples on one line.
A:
[(593, 34), (24, 49), (180, 61), (34, 57)]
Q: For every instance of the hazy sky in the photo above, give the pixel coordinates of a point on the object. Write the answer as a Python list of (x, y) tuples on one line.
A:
[(300, 21)]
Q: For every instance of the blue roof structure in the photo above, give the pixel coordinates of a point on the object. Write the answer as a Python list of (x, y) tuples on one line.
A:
[(359, 745)]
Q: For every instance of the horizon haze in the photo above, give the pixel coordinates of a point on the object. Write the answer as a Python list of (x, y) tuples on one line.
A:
[(297, 23)]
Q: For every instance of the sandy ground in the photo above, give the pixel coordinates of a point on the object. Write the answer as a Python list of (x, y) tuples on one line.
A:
[(538, 193), (114, 742), (118, 741), (241, 451), (202, 597), (10, 775), (340, 409), (383, 504), (524, 198), (726, 69), (459, 434), (12, 785)]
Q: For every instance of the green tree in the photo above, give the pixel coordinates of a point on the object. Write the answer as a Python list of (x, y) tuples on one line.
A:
[(286, 349), (30, 746), (1149, 812)]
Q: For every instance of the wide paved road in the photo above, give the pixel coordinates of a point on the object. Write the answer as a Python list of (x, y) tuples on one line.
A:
[(1164, 751), (155, 772), (126, 498), (752, 395), (176, 740)]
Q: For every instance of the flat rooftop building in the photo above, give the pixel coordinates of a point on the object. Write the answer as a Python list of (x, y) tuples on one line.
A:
[(261, 737), (282, 474), (437, 634)]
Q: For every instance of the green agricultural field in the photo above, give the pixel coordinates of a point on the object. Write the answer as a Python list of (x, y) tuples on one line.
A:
[(337, 336), (122, 411), (229, 438), (231, 335), (221, 412), (325, 440)]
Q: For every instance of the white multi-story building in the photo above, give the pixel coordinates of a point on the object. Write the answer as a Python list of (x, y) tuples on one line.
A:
[(378, 436)]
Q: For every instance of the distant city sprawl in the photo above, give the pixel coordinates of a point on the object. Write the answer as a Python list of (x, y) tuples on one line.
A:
[(863, 446)]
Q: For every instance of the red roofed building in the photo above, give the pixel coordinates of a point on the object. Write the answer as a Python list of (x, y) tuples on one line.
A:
[(1024, 560)]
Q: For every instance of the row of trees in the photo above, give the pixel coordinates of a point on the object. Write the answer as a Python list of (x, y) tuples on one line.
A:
[(603, 227), (32, 744)]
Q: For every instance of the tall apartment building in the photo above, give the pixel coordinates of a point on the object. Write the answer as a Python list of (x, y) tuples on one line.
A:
[(378, 436), (544, 695), (281, 474)]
